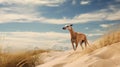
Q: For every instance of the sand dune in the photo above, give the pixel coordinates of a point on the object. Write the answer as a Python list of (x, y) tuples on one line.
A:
[(105, 57), (104, 53), (108, 56)]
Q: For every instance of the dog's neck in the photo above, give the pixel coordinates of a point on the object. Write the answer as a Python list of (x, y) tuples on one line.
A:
[(72, 33)]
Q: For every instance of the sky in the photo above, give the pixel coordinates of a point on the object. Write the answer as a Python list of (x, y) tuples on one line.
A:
[(38, 23)]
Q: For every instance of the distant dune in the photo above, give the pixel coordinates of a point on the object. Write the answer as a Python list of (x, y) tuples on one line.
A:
[(105, 52)]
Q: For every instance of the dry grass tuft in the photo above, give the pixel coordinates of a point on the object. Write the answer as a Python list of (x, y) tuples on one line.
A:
[(23, 59), (108, 39)]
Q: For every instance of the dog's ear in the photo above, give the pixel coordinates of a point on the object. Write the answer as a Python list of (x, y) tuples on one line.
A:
[(71, 24)]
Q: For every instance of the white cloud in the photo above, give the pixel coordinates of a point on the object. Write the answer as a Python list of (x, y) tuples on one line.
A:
[(43, 40), (94, 34), (82, 18), (27, 13), (17, 14), (106, 25), (114, 16), (100, 15), (14, 18), (83, 2), (34, 2)]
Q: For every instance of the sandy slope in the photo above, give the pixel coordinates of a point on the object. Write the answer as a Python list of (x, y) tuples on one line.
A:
[(105, 57), (108, 56)]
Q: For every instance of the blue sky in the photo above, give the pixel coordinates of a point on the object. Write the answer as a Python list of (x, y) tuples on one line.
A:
[(92, 17)]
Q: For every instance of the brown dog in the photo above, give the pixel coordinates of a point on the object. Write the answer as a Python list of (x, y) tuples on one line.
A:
[(76, 37)]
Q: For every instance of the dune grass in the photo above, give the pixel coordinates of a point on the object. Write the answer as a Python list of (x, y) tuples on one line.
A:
[(108, 39), (21, 59)]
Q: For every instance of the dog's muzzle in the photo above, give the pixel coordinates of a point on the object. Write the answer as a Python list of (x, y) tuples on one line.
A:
[(64, 28)]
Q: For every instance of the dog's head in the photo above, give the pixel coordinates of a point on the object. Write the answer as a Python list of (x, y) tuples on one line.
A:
[(68, 27)]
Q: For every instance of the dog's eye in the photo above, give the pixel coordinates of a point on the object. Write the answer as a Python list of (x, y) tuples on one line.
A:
[(67, 26)]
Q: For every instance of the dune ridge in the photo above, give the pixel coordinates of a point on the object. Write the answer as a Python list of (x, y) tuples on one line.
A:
[(104, 52)]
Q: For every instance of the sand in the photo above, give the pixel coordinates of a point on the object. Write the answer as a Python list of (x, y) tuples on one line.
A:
[(108, 56)]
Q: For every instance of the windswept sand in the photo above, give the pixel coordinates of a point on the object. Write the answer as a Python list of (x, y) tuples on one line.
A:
[(108, 56), (105, 52)]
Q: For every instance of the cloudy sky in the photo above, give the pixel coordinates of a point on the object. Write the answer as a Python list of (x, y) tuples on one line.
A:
[(38, 23)]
